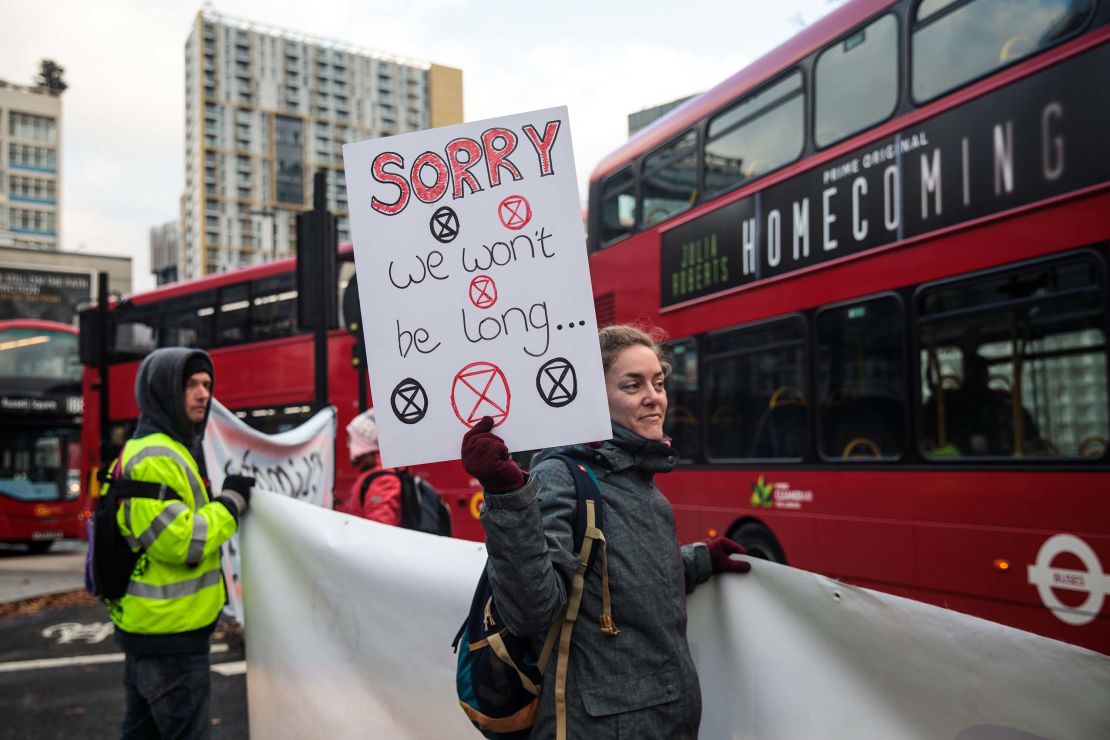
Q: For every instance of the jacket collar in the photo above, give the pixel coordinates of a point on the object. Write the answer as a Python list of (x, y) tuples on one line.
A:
[(626, 450)]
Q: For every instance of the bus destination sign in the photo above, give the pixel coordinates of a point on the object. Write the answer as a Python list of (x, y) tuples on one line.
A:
[(1039, 138)]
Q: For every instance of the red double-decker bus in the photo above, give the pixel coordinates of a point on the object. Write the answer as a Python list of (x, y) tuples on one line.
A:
[(880, 252), (40, 418), (247, 320)]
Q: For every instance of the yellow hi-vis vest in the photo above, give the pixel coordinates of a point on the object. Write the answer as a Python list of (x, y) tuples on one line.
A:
[(177, 585)]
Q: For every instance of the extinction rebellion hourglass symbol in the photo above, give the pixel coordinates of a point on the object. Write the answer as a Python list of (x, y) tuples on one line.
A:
[(515, 212), (480, 389), (409, 401), (444, 225)]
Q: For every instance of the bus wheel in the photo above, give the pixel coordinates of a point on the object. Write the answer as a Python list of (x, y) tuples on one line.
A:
[(39, 547), (759, 542)]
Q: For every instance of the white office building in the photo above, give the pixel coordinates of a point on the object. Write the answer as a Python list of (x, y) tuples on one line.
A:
[(30, 168)]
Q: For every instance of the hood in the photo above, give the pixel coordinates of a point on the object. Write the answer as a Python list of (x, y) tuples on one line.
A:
[(625, 450), (160, 392)]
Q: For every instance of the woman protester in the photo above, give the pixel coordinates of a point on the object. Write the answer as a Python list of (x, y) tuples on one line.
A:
[(633, 676)]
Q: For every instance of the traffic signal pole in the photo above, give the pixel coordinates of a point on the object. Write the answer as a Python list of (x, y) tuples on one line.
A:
[(317, 241)]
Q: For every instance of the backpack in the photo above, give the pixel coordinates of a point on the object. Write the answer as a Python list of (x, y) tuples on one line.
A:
[(109, 558), (422, 508), (498, 673)]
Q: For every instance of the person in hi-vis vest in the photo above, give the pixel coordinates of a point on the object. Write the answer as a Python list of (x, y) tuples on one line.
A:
[(165, 620)]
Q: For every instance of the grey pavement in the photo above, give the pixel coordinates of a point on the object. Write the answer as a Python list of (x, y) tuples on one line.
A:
[(25, 576)]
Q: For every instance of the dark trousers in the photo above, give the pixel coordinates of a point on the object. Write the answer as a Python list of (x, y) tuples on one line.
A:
[(167, 697)]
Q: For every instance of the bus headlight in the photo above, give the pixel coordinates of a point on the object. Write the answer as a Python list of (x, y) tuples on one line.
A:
[(73, 484)]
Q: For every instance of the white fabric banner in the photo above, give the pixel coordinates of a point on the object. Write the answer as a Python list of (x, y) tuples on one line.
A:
[(351, 625), (299, 463)]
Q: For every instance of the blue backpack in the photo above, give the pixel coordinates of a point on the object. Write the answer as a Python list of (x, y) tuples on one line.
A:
[(499, 674)]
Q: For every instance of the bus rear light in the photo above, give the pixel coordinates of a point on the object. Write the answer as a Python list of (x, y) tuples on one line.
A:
[(712, 533), (1002, 565)]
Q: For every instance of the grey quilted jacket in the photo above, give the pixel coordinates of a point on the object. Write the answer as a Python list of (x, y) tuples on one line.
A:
[(640, 683)]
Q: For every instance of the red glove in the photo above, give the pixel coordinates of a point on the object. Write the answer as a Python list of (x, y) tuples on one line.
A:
[(486, 457), (719, 550)]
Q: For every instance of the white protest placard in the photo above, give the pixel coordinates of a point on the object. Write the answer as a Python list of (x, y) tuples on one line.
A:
[(475, 287)]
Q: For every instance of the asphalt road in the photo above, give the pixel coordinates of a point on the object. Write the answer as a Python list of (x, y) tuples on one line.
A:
[(61, 672)]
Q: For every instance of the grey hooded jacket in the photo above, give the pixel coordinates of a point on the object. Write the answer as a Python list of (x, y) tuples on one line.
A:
[(640, 683), (160, 393)]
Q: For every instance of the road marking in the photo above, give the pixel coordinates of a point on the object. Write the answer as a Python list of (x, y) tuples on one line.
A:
[(234, 668), (30, 665)]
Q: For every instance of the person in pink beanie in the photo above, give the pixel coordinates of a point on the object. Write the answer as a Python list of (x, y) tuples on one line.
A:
[(373, 496)]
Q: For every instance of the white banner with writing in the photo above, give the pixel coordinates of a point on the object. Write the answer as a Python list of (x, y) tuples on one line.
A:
[(475, 287), (299, 463), (352, 622)]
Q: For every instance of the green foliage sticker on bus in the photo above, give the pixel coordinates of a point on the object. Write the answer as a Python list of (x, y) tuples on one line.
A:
[(761, 493)]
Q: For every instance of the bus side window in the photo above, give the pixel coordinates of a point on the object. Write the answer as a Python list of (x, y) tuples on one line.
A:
[(233, 319), (861, 380), (188, 321), (755, 396), (135, 333), (682, 400), (955, 43), (670, 180), (618, 206), (856, 82), (1014, 364), (274, 307), (760, 133)]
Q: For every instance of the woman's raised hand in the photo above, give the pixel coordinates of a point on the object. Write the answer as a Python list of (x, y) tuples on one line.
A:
[(485, 456)]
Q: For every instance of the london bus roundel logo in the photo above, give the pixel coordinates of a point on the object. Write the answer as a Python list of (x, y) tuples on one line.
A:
[(1093, 581)]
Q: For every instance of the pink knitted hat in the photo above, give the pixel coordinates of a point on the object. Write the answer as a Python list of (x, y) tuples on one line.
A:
[(362, 435)]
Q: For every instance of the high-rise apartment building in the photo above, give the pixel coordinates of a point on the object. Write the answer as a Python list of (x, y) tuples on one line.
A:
[(165, 252), (30, 167), (264, 110)]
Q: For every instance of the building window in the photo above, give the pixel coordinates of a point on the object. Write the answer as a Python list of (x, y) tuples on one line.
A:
[(289, 142), (33, 128)]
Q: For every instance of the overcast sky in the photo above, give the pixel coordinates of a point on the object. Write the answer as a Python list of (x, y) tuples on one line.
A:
[(123, 128)]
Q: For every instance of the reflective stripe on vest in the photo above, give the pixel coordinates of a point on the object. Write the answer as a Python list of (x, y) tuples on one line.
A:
[(199, 497), (134, 543), (174, 590), (196, 544), (161, 523)]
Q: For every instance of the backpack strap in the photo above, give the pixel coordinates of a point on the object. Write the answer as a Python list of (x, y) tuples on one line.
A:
[(589, 516), (399, 473), (122, 488)]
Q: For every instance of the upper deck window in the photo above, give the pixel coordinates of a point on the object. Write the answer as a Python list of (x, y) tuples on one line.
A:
[(670, 182), (856, 82), (618, 205), (42, 354), (956, 42), (756, 135)]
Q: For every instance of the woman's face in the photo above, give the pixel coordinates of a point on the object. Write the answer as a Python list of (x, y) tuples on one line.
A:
[(634, 385)]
